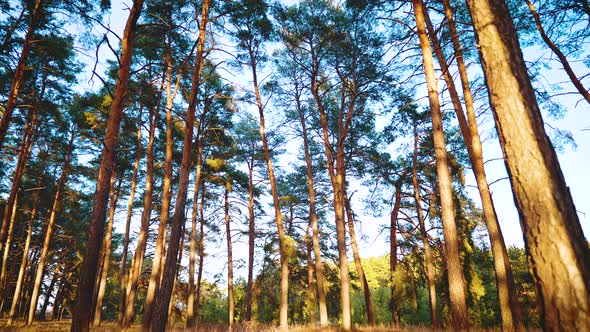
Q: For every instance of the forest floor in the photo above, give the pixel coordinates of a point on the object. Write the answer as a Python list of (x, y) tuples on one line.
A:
[(64, 325)]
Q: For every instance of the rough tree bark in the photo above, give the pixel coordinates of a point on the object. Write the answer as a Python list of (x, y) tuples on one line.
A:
[(162, 301), (460, 320), (556, 248), (81, 317), (509, 306)]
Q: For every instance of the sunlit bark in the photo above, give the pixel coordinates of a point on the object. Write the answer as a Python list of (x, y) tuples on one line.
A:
[(509, 306), (459, 313), (162, 301), (81, 317), (122, 267), (556, 248), (138, 256)]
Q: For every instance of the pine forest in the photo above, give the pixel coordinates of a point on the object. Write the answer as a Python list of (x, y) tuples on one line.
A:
[(273, 165)]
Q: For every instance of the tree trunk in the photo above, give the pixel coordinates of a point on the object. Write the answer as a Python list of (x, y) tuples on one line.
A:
[(163, 299), (455, 274), (393, 252), (58, 299), (23, 264), (284, 294), (158, 260), (81, 316), (47, 240), (23, 157), (138, 256), (122, 268), (3, 278), (556, 248), (509, 306), (173, 296), (358, 264), (18, 76), (428, 257), (107, 245), (230, 264), (24, 304), (45, 305), (251, 239), (562, 58), (337, 181), (201, 250), (190, 301), (313, 217), (311, 290)]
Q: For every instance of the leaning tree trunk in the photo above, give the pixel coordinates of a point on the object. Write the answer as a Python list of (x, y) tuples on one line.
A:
[(23, 157), (18, 74), (284, 283), (7, 249), (122, 267), (81, 317), (428, 257), (11, 205), (509, 306), (23, 264), (47, 240), (358, 264), (162, 302), (459, 313), (48, 293), (556, 248), (138, 256)]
